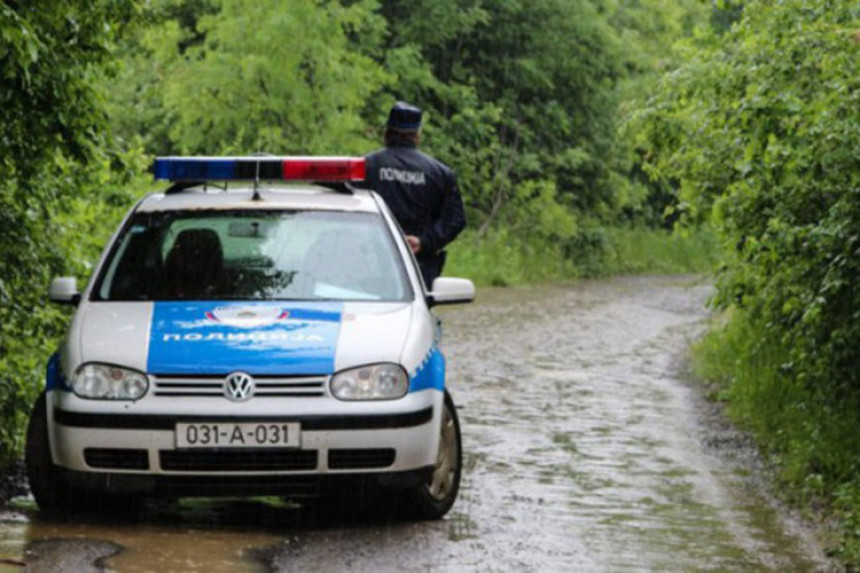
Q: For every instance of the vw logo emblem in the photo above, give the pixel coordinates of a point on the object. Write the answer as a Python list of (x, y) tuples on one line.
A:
[(239, 386)]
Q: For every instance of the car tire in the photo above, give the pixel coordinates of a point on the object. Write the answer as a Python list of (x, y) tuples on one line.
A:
[(46, 482), (433, 497)]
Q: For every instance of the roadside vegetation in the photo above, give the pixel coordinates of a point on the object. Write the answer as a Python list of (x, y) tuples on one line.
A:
[(759, 129), (590, 138), (501, 258)]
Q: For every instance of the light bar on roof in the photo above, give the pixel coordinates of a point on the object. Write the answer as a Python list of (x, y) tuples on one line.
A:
[(259, 168), (324, 168)]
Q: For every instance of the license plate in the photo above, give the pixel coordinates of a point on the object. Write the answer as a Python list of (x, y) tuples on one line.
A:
[(238, 435)]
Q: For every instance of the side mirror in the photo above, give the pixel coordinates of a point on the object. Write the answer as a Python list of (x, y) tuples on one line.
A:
[(448, 290), (64, 290)]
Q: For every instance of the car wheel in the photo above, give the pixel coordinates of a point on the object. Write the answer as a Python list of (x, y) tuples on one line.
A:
[(46, 482), (434, 497)]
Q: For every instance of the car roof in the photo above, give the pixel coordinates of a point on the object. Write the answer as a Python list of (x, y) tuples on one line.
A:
[(276, 196)]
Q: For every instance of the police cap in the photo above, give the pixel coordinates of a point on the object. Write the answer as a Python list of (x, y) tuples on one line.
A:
[(404, 116)]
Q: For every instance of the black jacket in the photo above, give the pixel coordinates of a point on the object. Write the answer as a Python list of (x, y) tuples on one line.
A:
[(422, 194)]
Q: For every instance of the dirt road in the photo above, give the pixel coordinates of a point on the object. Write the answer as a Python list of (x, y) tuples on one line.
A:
[(585, 449)]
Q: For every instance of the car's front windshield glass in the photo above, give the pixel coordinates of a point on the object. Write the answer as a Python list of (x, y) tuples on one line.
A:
[(254, 255)]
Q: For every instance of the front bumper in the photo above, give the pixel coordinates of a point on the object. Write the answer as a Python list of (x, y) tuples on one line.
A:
[(120, 446)]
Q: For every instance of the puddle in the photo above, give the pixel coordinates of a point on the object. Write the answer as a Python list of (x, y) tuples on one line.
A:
[(191, 535)]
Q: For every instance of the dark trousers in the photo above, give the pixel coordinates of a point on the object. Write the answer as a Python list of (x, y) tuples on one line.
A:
[(431, 267)]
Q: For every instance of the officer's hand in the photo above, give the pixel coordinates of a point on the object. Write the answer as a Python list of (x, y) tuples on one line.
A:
[(414, 243)]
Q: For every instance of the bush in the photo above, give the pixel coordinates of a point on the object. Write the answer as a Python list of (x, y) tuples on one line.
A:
[(761, 129)]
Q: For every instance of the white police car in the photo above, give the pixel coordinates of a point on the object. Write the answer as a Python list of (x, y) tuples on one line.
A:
[(240, 337)]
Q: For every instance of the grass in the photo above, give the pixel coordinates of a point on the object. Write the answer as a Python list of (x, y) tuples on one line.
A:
[(503, 258), (649, 251), (809, 435)]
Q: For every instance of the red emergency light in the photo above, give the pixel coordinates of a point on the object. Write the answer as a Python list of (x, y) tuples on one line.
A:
[(323, 169)]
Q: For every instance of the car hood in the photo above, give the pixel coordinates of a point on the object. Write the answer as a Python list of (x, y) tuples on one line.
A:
[(261, 338)]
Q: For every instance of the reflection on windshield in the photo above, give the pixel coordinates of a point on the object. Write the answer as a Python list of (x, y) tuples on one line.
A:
[(254, 255)]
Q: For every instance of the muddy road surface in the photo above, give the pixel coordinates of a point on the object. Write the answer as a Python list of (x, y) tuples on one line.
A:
[(585, 449)]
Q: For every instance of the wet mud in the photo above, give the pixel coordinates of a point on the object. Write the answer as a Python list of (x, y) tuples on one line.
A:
[(585, 448)]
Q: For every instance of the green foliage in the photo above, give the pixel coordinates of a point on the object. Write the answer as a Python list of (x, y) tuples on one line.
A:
[(725, 13), (847, 510), (639, 250), (501, 106), (53, 150), (761, 129), (49, 57), (506, 258), (135, 92), (806, 433), (298, 84), (499, 258), (647, 30), (506, 107)]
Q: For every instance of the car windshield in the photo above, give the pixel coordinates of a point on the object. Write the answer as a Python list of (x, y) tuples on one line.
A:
[(254, 255)]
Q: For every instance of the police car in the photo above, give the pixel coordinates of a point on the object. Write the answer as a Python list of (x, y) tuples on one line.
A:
[(244, 333)]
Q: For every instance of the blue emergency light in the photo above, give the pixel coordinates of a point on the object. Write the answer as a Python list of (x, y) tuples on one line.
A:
[(259, 168)]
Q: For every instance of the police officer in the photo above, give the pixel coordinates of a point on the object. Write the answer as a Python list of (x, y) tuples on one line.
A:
[(421, 191)]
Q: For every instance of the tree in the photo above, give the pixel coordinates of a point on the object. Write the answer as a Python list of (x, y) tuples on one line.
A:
[(297, 85), (52, 143)]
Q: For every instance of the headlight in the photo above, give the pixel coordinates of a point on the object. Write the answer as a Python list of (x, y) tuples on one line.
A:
[(106, 382), (373, 382)]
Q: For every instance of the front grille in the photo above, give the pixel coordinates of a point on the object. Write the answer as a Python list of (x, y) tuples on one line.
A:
[(238, 460), (119, 459), (264, 386), (360, 458)]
